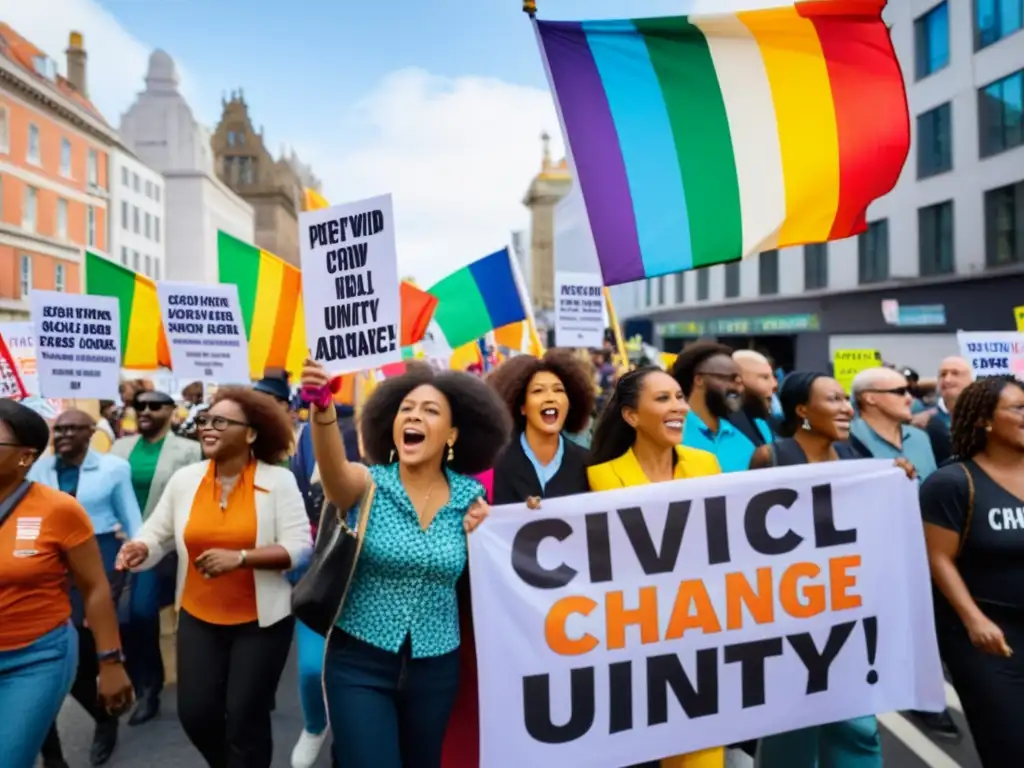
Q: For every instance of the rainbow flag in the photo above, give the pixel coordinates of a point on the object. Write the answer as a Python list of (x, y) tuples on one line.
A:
[(698, 140), (270, 295), (475, 300), (143, 341)]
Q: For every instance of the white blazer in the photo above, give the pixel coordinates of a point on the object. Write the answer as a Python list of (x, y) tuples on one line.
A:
[(280, 519)]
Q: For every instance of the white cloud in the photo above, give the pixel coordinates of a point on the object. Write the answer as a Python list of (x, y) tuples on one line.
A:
[(457, 154)]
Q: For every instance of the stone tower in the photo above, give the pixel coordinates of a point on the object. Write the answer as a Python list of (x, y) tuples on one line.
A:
[(547, 188), (272, 187)]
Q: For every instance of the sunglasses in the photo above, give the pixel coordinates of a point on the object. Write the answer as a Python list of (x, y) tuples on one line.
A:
[(151, 405), (901, 391)]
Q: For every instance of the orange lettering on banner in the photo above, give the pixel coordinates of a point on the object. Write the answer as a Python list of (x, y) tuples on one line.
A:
[(801, 592), (554, 626), (617, 618)]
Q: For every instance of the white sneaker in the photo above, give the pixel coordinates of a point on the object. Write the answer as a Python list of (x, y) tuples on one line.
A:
[(307, 749)]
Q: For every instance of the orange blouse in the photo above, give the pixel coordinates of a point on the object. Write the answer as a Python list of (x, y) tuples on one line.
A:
[(231, 597)]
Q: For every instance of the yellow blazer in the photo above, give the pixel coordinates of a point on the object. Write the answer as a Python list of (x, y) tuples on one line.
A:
[(624, 472)]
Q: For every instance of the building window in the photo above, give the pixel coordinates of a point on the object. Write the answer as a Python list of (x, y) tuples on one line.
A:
[(156, 269), (935, 239), (815, 266), (996, 19), (732, 279), (90, 226), (703, 285), (92, 169), (156, 192), (156, 228), (5, 135), (648, 293), (25, 275), (135, 260), (32, 154), (124, 215), (62, 218), (65, 158), (768, 273), (149, 189), (935, 141), (931, 41), (1001, 115), (248, 170), (661, 290), (873, 253), (135, 182), (680, 287), (149, 266), (58, 278), (28, 212), (149, 226), (135, 219), (124, 255), (124, 176), (1004, 222)]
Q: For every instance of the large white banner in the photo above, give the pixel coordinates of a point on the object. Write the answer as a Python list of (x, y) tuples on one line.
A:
[(620, 627)]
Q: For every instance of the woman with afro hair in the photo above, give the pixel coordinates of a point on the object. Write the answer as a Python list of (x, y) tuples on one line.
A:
[(391, 668), (547, 397)]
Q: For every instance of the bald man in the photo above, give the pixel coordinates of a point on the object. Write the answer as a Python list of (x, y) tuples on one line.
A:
[(758, 377), (954, 375)]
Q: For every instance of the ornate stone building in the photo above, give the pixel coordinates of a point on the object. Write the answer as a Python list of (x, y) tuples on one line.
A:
[(271, 186), (547, 188)]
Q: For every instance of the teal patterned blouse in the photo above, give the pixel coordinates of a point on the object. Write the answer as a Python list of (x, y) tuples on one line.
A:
[(404, 584)]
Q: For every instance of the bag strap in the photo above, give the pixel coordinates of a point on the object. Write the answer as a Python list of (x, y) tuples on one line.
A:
[(970, 509), (8, 505)]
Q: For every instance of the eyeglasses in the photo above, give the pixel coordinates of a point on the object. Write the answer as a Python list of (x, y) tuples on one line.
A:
[(901, 391), (71, 429), (217, 423), (150, 405)]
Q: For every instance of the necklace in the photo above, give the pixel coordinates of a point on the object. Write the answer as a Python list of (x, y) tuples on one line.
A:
[(425, 505)]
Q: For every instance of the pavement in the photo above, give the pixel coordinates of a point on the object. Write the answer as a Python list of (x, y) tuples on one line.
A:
[(162, 744)]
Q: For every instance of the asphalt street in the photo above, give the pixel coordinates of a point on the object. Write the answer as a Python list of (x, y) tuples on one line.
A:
[(162, 744)]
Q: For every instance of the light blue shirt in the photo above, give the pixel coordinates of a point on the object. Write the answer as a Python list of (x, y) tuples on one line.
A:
[(104, 489), (731, 447), (544, 471), (404, 584), (917, 447)]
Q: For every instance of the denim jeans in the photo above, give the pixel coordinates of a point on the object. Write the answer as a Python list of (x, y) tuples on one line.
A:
[(311, 669), (33, 683), (387, 710), (848, 744)]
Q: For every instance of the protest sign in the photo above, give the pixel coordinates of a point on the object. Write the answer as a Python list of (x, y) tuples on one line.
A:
[(621, 627), (579, 310), (78, 344), (993, 353), (350, 285), (11, 385), (21, 342), (205, 331), (847, 363), (1018, 317)]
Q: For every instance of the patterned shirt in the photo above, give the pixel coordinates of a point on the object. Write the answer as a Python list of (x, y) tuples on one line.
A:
[(404, 584)]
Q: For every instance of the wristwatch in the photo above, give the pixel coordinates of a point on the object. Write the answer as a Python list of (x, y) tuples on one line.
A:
[(110, 657)]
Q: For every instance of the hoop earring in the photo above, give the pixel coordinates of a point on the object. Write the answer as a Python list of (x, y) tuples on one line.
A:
[(391, 458), (806, 425), (451, 453)]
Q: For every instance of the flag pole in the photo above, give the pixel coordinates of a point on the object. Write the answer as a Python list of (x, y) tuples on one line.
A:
[(530, 8), (613, 320)]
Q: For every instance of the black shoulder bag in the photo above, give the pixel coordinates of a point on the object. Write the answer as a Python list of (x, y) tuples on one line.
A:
[(320, 595), (8, 505)]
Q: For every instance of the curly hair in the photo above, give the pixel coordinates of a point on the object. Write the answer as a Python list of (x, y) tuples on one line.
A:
[(613, 436), (974, 406), (273, 427), (511, 379), (477, 412), (684, 369)]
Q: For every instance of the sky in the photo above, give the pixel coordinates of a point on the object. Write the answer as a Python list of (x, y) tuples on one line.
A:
[(440, 103)]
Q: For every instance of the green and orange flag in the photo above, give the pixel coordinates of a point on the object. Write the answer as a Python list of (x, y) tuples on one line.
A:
[(143, 342)]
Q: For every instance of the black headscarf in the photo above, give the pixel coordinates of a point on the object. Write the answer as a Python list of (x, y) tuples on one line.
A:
[(795, 391)]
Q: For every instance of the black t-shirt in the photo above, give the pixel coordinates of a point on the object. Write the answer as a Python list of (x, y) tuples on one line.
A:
[(942, 444), (991, 561)]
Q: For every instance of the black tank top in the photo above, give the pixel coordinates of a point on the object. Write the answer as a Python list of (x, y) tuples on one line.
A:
[(786, 452)]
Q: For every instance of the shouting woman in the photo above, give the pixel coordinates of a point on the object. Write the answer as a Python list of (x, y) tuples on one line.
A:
[(391, 672)]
